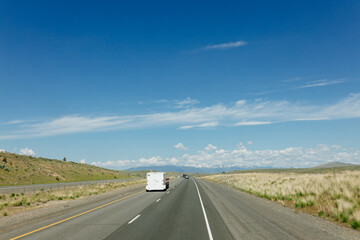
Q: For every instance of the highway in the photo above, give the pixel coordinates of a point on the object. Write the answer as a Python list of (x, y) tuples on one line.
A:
[(56, 186), (190, 209)]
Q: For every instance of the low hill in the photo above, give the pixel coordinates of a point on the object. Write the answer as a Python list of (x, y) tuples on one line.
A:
[(334, 164), (18, 169)]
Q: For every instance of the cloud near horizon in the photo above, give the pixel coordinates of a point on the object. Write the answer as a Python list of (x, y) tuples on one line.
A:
[(180, 146), (243, 113), (213, 156), (27, 151)]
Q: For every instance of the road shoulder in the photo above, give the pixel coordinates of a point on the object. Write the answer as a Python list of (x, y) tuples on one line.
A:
[(250, 217)]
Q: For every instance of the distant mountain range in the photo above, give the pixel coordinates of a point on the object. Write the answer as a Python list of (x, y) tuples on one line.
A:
[(334, 164), (220, 169), (185, 169)]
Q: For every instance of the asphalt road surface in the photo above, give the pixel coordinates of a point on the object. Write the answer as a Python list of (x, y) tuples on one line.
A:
[(190, 209)]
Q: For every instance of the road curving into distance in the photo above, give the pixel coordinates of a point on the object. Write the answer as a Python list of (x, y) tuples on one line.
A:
[(190, 209)]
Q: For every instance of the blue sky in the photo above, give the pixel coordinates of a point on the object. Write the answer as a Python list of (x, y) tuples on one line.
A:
[(229, 83)]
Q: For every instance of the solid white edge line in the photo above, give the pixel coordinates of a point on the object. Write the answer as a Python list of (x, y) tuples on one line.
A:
[(202, 206), (134, 219), (158, 200)]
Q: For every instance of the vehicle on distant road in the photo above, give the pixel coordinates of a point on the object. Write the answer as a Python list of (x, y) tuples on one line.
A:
[(167, 183), (186, 177), (156, 181)]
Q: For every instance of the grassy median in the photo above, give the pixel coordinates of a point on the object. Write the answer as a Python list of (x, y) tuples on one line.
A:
[(14, 203), (331, 194)]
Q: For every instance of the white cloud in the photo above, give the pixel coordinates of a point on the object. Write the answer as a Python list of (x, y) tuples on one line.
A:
[(83, 161), (2, 150), (242, 113), (226, 45), (27, 151), (210, 147), (213, 156), (250, 143), (174, 161), (287, 157), (180, 146), (156, 160)]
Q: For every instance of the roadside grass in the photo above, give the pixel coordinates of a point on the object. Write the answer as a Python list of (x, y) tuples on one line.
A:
[(14, 203), (332, 194)]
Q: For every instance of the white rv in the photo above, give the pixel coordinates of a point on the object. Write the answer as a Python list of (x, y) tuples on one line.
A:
[(156, 181)]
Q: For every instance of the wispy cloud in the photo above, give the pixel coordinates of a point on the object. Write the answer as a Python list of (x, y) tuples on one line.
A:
[(240, 156), (186, 103), (226, 45), (252, 123), (15, 121), (202, 125), (321, 83), (242, 113), (299, 83), (295, 79)]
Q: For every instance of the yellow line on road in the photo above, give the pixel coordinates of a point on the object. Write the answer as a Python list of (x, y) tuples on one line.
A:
[(67, 219)]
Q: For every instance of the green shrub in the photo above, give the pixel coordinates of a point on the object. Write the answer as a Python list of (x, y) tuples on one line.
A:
[(321, 213), (12, 195), (17, 203), (355, 224), (5, 214), (310, 203), (344, 217)]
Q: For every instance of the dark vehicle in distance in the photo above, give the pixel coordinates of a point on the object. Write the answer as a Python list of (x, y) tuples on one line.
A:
[(167, 183)]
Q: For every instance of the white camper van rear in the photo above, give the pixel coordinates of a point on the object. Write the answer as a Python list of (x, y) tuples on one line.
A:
[(155, 181)]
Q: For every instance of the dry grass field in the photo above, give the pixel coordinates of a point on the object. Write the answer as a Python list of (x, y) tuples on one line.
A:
[(18, 169), (14, 203), (330, 194)]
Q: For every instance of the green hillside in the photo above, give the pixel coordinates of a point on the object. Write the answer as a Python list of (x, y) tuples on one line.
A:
[(18, 169)]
